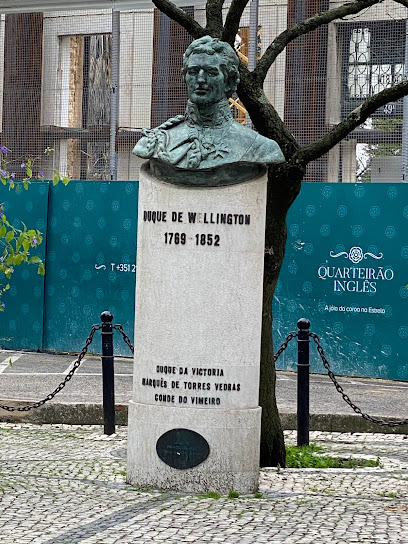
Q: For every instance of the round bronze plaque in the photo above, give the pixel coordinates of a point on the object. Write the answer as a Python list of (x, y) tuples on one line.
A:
[(182, 448)]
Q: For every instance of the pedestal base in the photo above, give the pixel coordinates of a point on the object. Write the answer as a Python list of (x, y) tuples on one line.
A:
[(194, 420), (233, 437)]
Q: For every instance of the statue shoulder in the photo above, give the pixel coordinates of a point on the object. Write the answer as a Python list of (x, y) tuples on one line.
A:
[(264, 150), (154, 138)]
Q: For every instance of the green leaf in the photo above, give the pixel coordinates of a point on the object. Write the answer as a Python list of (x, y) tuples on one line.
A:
[(7, 287), (3, 180), (55, 179), (29, 172), (65, 180), (25, 185), (19, 241), (35, 259), (3, 231), (9, 236), (41, 270)]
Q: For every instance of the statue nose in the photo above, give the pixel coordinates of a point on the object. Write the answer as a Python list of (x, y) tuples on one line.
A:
[(201, 76)]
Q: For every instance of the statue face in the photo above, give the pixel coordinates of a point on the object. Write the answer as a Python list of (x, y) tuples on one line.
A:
[(205, 79)]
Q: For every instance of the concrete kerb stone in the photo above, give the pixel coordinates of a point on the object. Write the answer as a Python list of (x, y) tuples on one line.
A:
[(92, 414), (64, 413), (342, 423)]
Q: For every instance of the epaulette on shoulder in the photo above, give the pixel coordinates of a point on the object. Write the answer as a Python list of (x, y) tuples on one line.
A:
[(172, 122)]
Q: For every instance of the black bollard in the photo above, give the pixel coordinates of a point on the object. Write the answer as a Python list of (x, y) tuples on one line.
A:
[(303, 383), (108, 380)]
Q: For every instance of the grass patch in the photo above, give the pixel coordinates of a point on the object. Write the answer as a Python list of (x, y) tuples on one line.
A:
[(391, 495), (306, 457), (209, 495), (302, 501), (233, 494)]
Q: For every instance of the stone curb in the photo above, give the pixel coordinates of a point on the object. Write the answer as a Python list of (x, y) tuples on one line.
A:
[(342, 423), (92, 414), (67, 413)]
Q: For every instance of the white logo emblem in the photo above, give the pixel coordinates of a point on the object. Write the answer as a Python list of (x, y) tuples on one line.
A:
[(356, 254)]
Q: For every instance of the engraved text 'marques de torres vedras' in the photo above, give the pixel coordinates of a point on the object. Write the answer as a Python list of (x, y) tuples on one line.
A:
[(206, 146)]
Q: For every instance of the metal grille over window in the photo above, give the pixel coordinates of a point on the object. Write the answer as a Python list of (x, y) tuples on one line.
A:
[(374, 62)]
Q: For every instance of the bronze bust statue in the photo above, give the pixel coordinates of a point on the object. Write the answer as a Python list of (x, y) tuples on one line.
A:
[(206, 147)]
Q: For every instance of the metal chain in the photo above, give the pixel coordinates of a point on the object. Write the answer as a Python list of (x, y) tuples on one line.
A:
[(346, 398), (284, 345), (289, 337), (280, 350), (125, 337), (61, 386)]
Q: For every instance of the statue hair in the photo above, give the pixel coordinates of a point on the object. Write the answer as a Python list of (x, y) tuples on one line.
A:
[(229, 59)]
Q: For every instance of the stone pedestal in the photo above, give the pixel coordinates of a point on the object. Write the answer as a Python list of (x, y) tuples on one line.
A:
[(194, 421)]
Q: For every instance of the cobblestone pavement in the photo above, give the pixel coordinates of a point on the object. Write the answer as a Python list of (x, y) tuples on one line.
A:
[(66, 484)]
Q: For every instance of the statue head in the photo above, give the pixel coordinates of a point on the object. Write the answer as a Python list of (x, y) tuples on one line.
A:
[(210, 69)]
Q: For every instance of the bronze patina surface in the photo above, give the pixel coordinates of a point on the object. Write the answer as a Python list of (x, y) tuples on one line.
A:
[(206, 147)]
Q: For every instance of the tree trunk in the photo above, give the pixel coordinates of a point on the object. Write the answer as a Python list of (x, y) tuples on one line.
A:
[(272, 451), (283, 187)]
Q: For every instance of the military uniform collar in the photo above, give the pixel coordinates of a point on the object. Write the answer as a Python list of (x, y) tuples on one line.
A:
[(217, 115)]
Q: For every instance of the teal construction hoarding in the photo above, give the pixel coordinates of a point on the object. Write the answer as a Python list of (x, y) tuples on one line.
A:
[(21, 324), (346, 269), (90, 261)]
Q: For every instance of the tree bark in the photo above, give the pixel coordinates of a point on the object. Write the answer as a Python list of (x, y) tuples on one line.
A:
[(272, 447), (283, 187), (263, 115), (214, 18), (181, 17), (232, 20), (272, 451)]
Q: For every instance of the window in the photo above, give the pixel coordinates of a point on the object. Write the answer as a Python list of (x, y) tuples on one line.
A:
[(373, 59), (85, 66)]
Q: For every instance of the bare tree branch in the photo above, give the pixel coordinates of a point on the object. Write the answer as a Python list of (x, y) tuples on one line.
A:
[(232, 20), (290, 34), (264, 116), (213, 10), (181, 17), (313, 151)]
